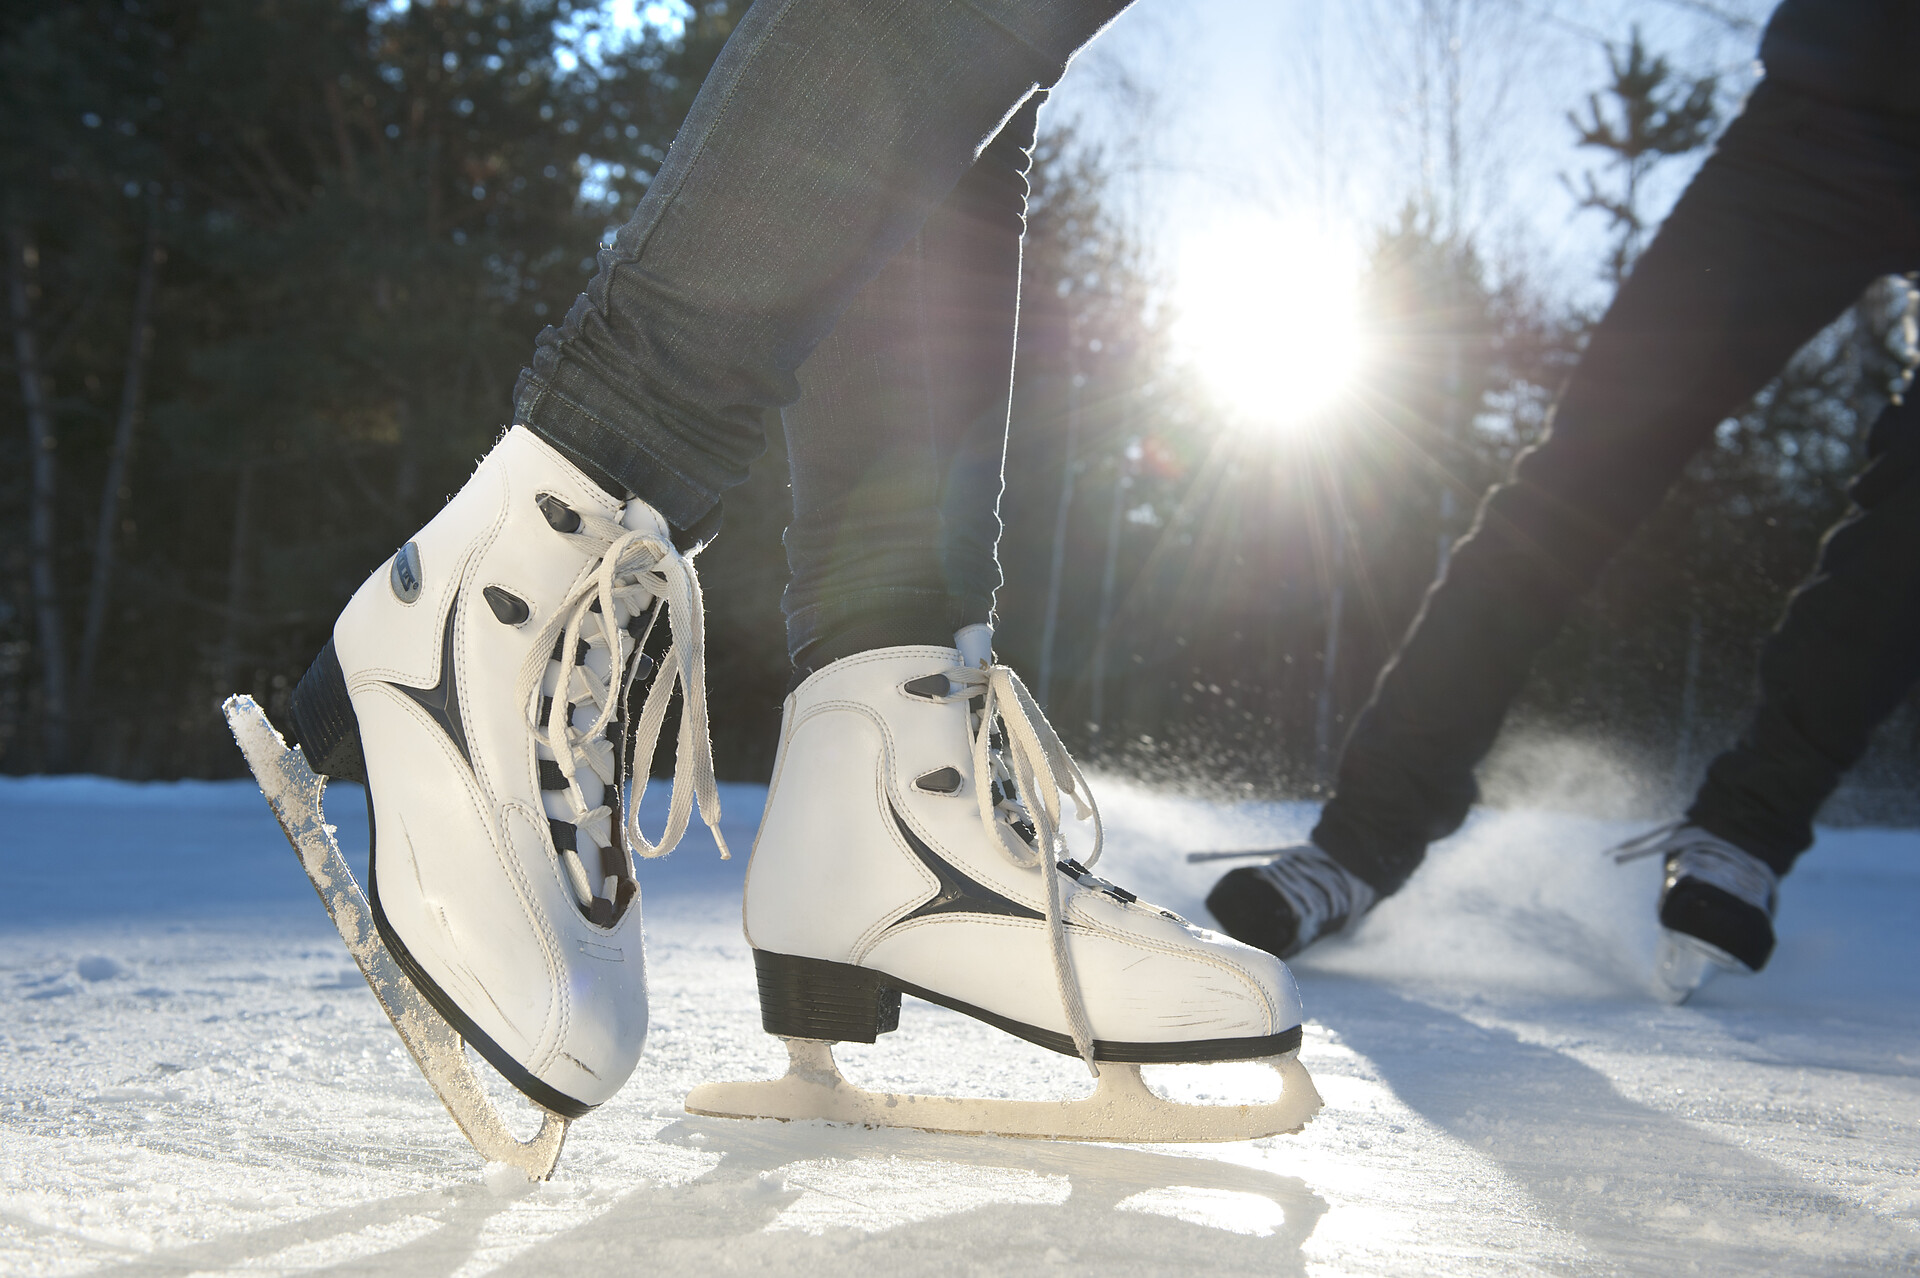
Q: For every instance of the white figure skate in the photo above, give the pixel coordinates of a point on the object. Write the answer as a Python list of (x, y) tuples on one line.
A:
[(911, 844), (477, 684)]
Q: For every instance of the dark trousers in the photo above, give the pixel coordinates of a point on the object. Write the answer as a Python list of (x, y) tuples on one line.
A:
[(848, 164), (1843, 656), (900, 431), (825, 135), (1802, 205)]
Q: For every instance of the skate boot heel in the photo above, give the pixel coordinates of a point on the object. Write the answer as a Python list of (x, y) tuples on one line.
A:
[(324, 723), (816, 998)]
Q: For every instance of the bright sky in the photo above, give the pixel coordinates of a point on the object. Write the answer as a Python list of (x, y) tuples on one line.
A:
[(1270, 305), (1257, 144), (1334, 111)]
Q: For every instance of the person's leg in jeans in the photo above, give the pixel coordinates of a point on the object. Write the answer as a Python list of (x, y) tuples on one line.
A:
[(900, 429), (1802, 204), (826, 134), (1846, 651)]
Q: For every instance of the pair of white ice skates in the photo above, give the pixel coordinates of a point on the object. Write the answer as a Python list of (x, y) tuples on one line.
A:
[(479, 684)]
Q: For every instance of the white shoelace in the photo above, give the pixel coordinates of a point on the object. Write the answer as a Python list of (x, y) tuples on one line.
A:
[(1692, 853), (1034, 770), (633, 569)]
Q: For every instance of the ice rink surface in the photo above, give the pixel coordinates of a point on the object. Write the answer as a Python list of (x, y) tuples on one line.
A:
[(197, 1081)]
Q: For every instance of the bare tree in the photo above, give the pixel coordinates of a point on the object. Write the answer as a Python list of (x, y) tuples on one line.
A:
[(23, 257), (1446, 70), (119, 461)]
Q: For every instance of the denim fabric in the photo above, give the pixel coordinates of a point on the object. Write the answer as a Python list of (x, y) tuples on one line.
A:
[(1802, 205), (825, 135), (900, 430)]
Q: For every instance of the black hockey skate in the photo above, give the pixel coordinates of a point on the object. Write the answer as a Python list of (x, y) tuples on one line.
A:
[(1716, 906), (1300, 895)]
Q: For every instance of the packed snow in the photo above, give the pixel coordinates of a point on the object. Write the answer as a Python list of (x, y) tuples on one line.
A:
[(198, 1082)]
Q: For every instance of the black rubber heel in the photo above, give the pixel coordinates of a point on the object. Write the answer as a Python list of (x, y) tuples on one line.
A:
[(815, 998), (323, 723)]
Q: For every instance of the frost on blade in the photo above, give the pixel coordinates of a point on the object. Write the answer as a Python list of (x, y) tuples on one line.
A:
[(294, 792)]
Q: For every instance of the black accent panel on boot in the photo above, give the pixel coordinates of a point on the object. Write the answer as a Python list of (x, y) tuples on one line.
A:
[(324, 725), (1719, 918), (1253, 912), (959, 892), (442, 700), (816, 998)]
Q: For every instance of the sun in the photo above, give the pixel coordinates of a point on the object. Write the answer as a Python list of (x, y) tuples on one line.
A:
[(1269, 312)]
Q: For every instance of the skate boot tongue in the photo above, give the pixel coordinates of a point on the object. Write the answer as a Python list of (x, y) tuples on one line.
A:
[(638, 573), (1030, 769)]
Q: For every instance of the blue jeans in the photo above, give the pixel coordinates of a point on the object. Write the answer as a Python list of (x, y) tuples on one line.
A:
[(829, 135)]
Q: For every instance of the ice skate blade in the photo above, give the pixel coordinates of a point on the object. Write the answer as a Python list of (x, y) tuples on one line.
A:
[(1121, 1108), (1685, 963), (293, 791)]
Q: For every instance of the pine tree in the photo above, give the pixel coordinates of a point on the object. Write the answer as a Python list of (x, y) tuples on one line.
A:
[(1646, 115), (367, 213)]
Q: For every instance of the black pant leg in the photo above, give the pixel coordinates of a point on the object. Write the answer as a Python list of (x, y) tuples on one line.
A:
[(1845, 653), (1801, 206)]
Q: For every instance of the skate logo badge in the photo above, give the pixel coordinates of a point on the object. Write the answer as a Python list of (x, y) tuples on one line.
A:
[(959, 893), (405, 576)]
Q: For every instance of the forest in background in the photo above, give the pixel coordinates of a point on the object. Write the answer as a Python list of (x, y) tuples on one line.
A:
[(271, 269)]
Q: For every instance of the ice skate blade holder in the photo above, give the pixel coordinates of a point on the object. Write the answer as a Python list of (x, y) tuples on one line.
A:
[(1685, 963), (294, 790), (811, 1004), (1121, 1109)]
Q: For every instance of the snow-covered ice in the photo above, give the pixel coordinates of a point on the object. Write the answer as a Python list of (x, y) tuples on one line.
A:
[(197, 1081)]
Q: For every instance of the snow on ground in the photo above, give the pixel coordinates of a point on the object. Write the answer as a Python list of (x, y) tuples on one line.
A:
[(197, 1082)]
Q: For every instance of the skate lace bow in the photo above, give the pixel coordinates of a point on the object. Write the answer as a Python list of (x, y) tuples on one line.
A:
[(1019, 781), (635, 567)]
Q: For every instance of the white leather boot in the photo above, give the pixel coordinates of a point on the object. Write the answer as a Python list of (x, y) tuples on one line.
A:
[(910, 843), (476, 683)]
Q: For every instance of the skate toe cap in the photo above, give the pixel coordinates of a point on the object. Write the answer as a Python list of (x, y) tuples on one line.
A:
[(1268, 980), (605, 1025)]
